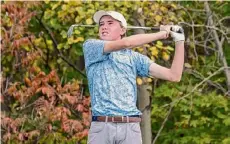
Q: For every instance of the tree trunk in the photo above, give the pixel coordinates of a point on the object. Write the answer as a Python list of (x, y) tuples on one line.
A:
[(143, 99), (219, 45), (143, 103)]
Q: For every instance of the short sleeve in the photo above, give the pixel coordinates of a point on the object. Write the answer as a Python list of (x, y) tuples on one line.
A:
[(142, 63), (94, 51)]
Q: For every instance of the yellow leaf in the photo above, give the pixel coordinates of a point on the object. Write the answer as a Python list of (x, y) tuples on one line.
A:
[(165, 56), (60, 46), (187, 65), (89, 21), (158, 18), (152, 58), (151, 14), (56, 5), (81, 39), (140, 49), (154, 53), (47, 1), (37, 41), (164, 9), (77, 19), (77, 32), (170, 48), (36, 69), (49, 42), (159, 43), (153, 48), (160, 46), (146, 45), (156, 5), (173, 18), (174, 6), (70, 40), (182, 12), (149, 80), (139, 81), (64, 7), (74, 3), (153, 7)]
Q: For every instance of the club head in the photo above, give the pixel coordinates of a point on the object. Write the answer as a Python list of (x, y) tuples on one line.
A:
[(70, 30)]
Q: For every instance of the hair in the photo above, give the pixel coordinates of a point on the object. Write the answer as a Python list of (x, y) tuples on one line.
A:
[(124, 35)]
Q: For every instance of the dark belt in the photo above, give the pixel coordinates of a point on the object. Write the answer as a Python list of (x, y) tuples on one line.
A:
[(117, 119)]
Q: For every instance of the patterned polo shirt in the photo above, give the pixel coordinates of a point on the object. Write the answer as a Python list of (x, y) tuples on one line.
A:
[(112, 78)]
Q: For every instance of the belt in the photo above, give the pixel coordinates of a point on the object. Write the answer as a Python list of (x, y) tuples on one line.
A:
[(117, 119)]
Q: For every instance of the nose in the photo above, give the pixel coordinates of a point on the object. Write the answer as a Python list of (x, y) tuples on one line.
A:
[(104, 27)]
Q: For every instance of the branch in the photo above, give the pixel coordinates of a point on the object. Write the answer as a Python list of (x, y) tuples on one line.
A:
[(210, 27), (35, 47), (192, 9), (224, 18), (48, 31), (193, 32), (205, 44), (163, 124), (218, 44), (206, 47), (48, 51), (203, 81), (63, 101), (201, 77)]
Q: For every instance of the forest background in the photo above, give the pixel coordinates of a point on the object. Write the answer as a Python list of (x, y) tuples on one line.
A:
[(44, 89)]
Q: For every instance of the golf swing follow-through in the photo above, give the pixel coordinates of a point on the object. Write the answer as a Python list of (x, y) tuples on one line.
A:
[(71, 28), (112, 68)]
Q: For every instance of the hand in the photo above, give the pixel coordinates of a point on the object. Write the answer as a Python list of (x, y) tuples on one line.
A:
[(177, 36), (166, 28)]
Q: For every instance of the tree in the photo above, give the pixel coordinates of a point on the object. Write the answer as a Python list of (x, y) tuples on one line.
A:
[(44, 88)]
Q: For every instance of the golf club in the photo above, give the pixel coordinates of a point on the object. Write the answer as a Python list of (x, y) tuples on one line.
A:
[(71, 28)]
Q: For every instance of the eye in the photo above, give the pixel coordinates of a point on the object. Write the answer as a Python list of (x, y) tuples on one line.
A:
[(101, 24), (110, 23)]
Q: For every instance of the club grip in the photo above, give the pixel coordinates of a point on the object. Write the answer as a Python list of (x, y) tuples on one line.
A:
[(181, 30)]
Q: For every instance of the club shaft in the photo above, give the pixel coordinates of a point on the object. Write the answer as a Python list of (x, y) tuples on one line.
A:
[(144, 28), (129, 27), (70, 31)]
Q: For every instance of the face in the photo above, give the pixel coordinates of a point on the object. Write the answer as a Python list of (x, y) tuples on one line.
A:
[(110, 29)]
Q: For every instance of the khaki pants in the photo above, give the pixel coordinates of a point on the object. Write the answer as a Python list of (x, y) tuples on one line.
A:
[(114, 133)]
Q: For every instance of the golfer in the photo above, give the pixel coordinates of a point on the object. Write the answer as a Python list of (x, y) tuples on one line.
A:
[(112, 68)]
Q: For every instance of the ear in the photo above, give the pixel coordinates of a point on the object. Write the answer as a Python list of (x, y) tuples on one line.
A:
[(123, 31)]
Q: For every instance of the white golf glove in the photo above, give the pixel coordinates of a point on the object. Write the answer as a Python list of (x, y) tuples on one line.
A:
[(175, 35)]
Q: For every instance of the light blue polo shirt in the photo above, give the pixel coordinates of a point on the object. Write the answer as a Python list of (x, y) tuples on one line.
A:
[(112, 78)]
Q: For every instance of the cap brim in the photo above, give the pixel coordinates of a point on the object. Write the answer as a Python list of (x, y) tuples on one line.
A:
[(97, 16)]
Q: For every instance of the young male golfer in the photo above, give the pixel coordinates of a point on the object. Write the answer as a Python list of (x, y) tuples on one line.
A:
[(112, 68)]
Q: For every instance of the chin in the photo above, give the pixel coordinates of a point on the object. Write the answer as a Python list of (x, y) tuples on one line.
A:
[(106, 38)]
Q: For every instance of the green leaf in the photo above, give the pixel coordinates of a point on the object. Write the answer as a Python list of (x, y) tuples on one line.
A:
[(227, 121), (226, 140), (220, 115)]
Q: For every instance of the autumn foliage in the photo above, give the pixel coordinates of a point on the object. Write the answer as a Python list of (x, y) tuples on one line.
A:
[(51, 103), (44, 90), (37, 104)]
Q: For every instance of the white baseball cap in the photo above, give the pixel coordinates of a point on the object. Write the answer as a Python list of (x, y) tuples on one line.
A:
[(116, 15)]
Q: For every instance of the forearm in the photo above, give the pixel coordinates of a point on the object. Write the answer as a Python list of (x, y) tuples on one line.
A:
[(175, 72), (133, 41), (140, 39), (178, 61)]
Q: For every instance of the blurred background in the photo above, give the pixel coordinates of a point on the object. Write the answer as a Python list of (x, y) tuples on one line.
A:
[(44, 89)]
